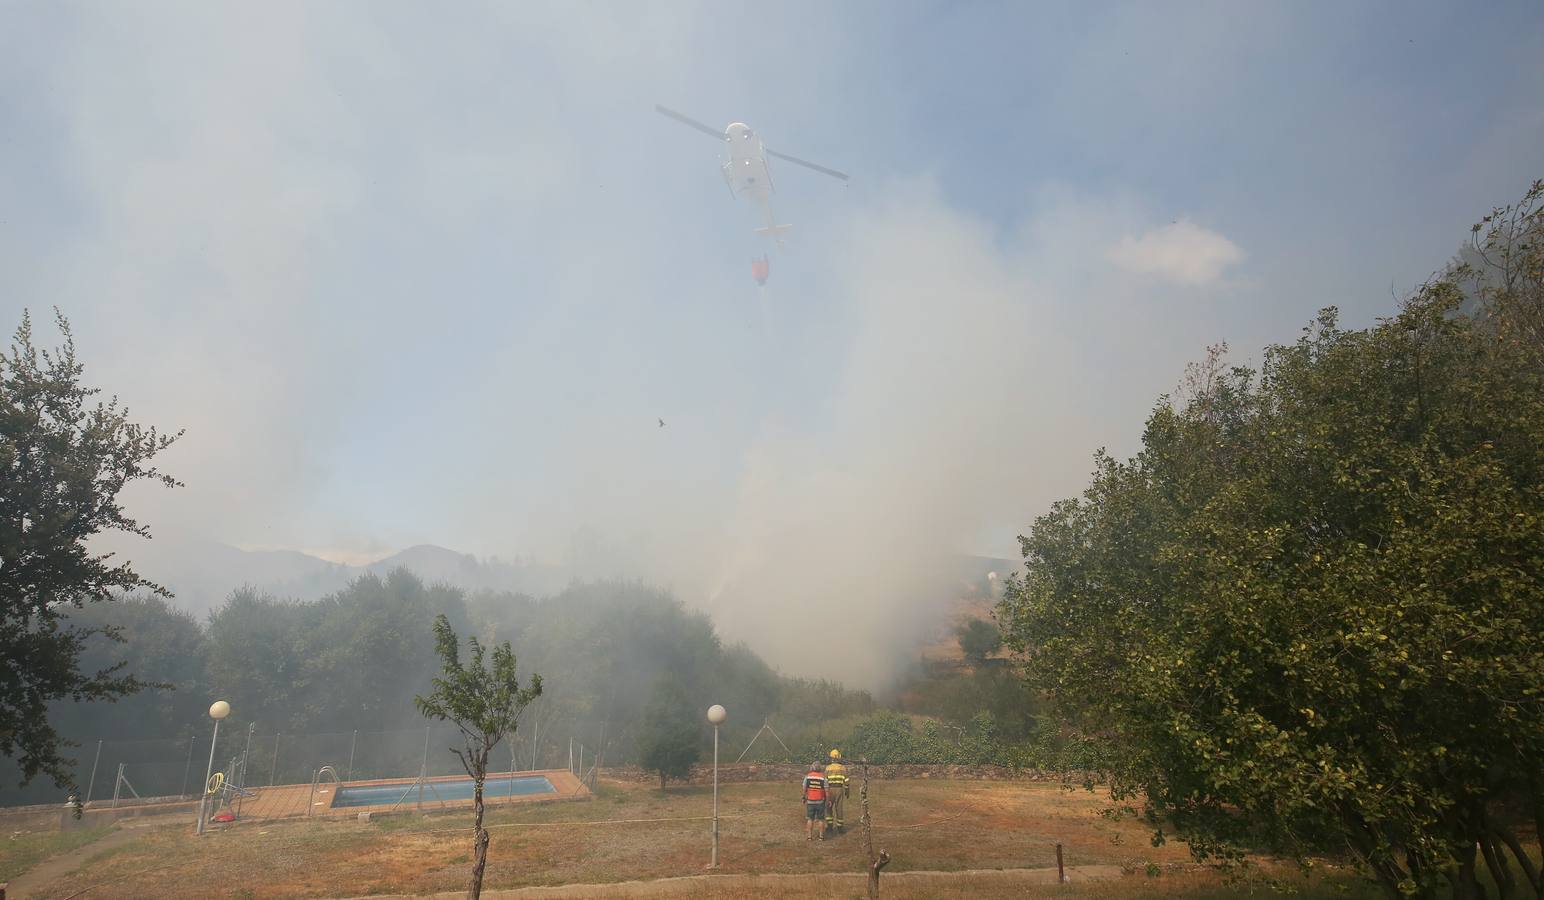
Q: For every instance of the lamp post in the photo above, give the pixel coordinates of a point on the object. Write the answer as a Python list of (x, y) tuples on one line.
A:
[(716, 714), (217, 711)]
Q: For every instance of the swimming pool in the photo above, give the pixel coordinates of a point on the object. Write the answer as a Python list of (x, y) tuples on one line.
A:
[(454, 789)]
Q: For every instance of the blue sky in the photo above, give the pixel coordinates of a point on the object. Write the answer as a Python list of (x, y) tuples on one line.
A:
[(413, 274)]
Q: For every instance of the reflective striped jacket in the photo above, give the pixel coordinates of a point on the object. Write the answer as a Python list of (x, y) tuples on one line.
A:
[(814, 787)]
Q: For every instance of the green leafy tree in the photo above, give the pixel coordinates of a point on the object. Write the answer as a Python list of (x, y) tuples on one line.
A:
[(484, 704), (257, 659), (671, 738), (978, 639), (605, 644), (162, 646), (1306, 615), (370, 646), (956, 695), (63, 462)]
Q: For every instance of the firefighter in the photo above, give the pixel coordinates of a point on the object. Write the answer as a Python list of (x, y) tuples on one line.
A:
[(814, 793), (836, 792)]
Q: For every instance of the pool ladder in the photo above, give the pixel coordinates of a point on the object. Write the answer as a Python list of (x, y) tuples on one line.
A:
[(316, 781)]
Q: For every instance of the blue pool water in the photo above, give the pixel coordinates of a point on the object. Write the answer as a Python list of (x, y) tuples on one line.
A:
[(461, 789)]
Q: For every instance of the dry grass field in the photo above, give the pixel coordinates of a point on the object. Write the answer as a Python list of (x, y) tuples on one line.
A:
[(23, 850), (633, 833)]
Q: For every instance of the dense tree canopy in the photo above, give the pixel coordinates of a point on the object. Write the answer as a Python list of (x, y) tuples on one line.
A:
[(350, 660), (155, 643), (63, 461), (355, 659), (978, 639), (1306, 614)]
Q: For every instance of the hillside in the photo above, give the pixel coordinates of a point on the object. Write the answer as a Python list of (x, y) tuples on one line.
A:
[(202, 573)]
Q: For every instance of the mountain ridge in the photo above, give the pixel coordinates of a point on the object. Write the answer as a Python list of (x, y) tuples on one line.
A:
[(202, 573)]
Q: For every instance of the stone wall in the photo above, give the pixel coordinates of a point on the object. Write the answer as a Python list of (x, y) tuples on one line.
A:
[(741, 772), (92, 816), (61, 817)]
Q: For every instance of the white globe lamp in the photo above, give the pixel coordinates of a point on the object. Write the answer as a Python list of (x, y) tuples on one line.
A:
[(217, 711), (716, 715)]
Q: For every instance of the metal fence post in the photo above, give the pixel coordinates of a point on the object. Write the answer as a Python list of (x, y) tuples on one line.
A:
[(423, 770), (351, 742), (187, 769), (246, 755), (274, 771), (91, 784)]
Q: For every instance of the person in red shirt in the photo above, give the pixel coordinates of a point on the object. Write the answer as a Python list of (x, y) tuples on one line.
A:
[(814, 793)]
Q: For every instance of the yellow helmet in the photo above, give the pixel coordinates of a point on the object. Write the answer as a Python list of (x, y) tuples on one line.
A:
[(836, 754)]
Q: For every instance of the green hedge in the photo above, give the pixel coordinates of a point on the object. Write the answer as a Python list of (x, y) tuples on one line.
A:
[(890, 737)]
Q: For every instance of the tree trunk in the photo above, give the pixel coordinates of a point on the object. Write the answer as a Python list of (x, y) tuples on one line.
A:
[(873, 874), (1536, 789), (1500, 871), (1530, 871), (1465, 885), (479, 833), (1362, 843)]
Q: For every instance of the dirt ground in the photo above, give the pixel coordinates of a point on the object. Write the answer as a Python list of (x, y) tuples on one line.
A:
[(634, 833)]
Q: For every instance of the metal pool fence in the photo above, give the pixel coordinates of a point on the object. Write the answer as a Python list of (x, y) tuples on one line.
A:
[(115, 773)]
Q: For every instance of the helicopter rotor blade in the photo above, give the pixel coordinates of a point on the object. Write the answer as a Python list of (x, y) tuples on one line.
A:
[(808, 165), (691, 123)]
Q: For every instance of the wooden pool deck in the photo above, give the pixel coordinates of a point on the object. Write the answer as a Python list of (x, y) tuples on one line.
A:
[(294, 800)]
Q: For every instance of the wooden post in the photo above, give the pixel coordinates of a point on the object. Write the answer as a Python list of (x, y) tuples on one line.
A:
[(882, 859), (1061, 873)]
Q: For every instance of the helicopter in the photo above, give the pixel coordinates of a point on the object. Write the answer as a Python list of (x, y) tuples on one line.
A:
[(746, 171)]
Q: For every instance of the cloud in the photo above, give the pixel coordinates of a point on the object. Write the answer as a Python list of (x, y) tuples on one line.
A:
[(1180, 251)]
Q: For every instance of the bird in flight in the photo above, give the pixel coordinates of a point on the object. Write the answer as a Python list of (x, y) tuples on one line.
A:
[(662, 423)]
